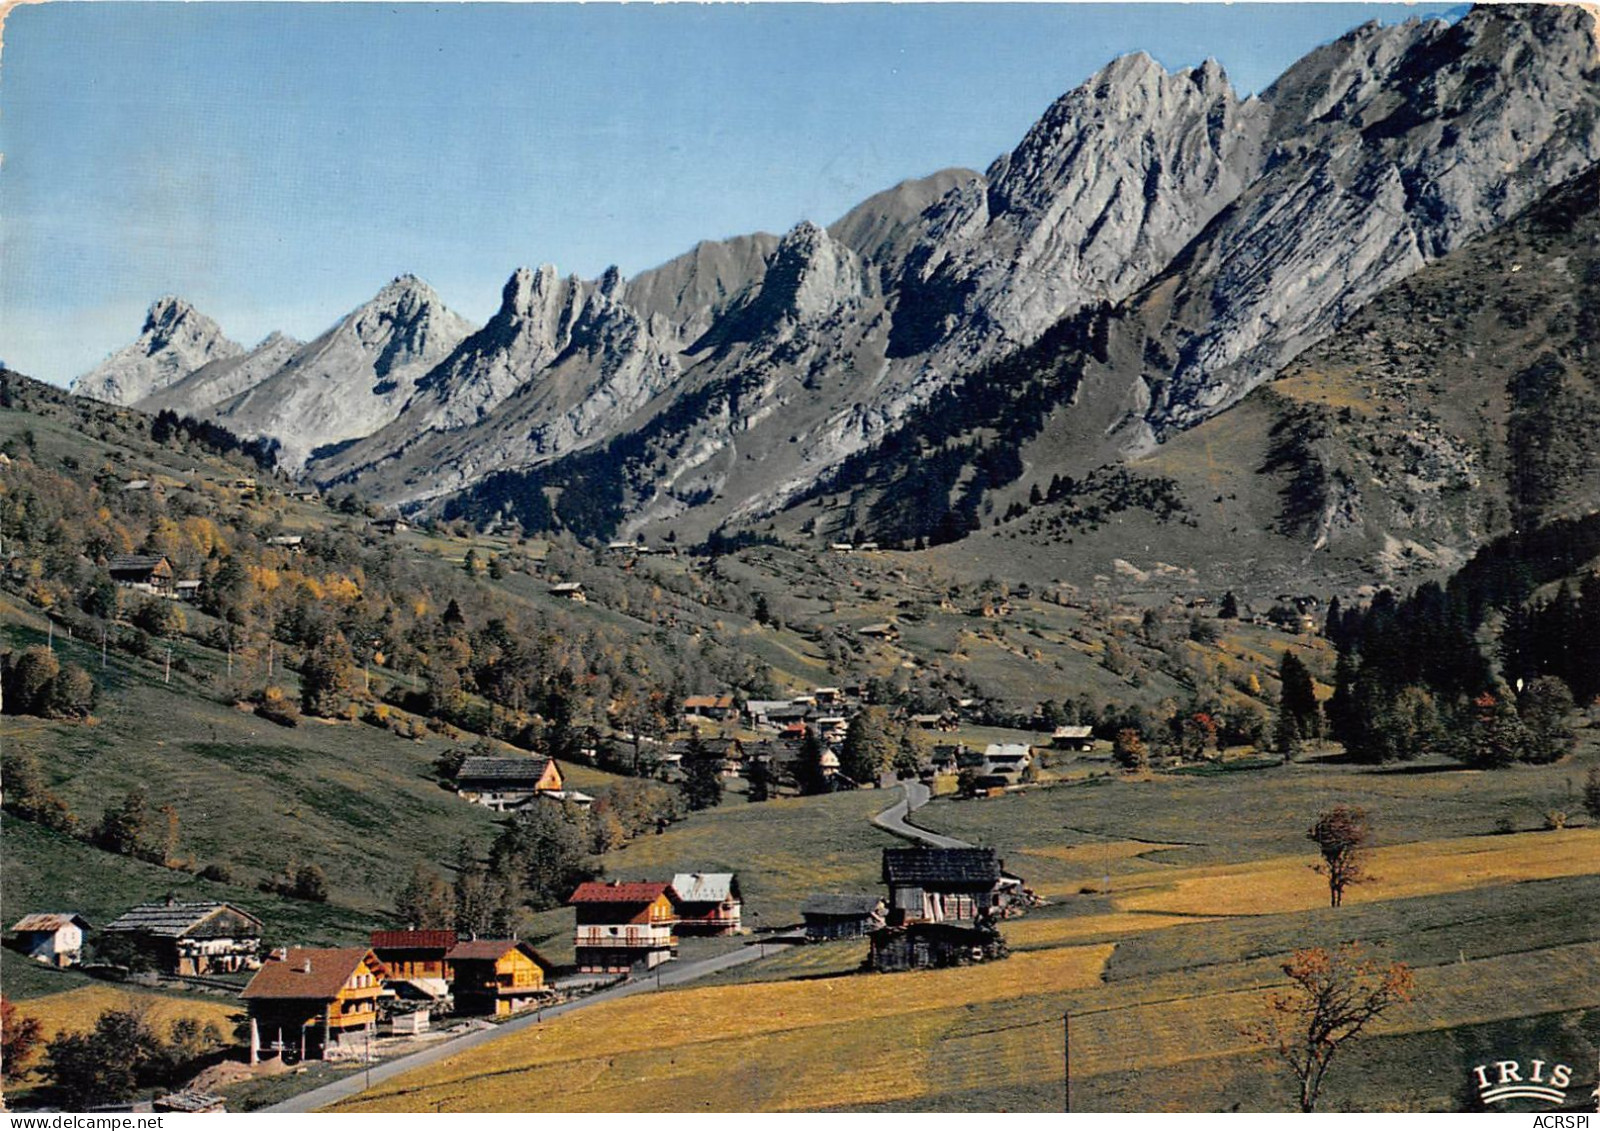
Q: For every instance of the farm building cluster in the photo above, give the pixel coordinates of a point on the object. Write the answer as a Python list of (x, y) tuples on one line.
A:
[(317, 1002)]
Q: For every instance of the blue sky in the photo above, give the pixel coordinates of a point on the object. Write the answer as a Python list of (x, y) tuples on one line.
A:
[(276, 164)]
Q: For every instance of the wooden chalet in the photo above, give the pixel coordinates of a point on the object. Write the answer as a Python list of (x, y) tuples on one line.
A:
[(710, 706), (192, 938), (569, 591), (312, 1001), (505, 783), (835, 916), (496, 977), (146, 573), (1079, 738), (1007, 760), (623, 927), (708, 903), (53, 937), (414, 954), (937, 885), (931, 946)]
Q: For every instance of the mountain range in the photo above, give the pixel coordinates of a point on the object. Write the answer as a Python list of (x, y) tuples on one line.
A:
[(1153, 251)]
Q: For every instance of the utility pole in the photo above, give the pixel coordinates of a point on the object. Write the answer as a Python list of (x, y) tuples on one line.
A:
[(166, 672), (1066, 1061), (52, 644)]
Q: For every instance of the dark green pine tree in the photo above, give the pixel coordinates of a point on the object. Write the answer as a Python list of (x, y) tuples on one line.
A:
[(702, 777), (1298, 698)]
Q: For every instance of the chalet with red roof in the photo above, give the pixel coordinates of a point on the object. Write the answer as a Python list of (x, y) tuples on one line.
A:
[(623, 927)]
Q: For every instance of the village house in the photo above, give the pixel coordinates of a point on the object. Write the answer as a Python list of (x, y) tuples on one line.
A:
[(728, 752), (416, 956), (390, 525), (708, 903), (940, 885), (53, 937), (1080, 738), (883, 630), (716, 707), (188, 589), (569, 591), (191, 938), (294, 543), (313, 1001), (496, 977), (144, 573), (933, 946), (624, 927), (834, 916), (505, 783), (758, 711), (1006, 759)]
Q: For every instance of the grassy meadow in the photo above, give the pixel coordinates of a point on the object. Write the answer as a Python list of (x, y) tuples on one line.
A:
[(1210, 888)]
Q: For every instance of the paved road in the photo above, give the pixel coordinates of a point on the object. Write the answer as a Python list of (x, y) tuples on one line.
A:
[(893, 819), (672, 974)]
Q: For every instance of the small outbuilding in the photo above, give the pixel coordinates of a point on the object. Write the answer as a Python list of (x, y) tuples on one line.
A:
[(842, 916), (52, 937)]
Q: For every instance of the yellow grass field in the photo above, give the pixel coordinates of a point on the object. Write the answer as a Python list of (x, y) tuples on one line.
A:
[(77, 1009), (794, 1027), (901, 1043), (1035, 932), (1266, 887)]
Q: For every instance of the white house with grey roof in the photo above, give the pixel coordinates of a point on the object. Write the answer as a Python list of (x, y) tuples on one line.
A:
[(54, 937), (708, 903)]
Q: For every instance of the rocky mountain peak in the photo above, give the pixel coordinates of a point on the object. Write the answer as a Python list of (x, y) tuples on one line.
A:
[(175, 340), (810, 274)]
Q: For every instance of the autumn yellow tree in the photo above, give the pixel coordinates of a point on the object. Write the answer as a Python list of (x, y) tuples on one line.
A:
[(1333, 996)]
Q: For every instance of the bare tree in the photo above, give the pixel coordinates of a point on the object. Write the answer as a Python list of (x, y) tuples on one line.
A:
[(1342, 836), (1331, 999)]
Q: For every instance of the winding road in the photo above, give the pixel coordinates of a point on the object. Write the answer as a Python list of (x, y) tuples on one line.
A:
[(894, 819)]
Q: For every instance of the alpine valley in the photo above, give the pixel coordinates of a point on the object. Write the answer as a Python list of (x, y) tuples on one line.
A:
[(1151, 254)]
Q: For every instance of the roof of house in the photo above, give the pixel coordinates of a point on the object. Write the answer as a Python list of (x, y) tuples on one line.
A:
[(705, 887), (49, 921), (567, 587), (315, 973), (492, 950), (1074, 732), (172, 919), (940, 865), (130, 563), (723, 702), (596, 891), (840, 904), (413, 940), (508, 770), (1006, 750)]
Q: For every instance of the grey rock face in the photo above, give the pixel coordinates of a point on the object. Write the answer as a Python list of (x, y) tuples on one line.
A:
[(1230, 234), (1390, 148), (175, 341), (1115, 179), (353, 379), (222, 380)]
